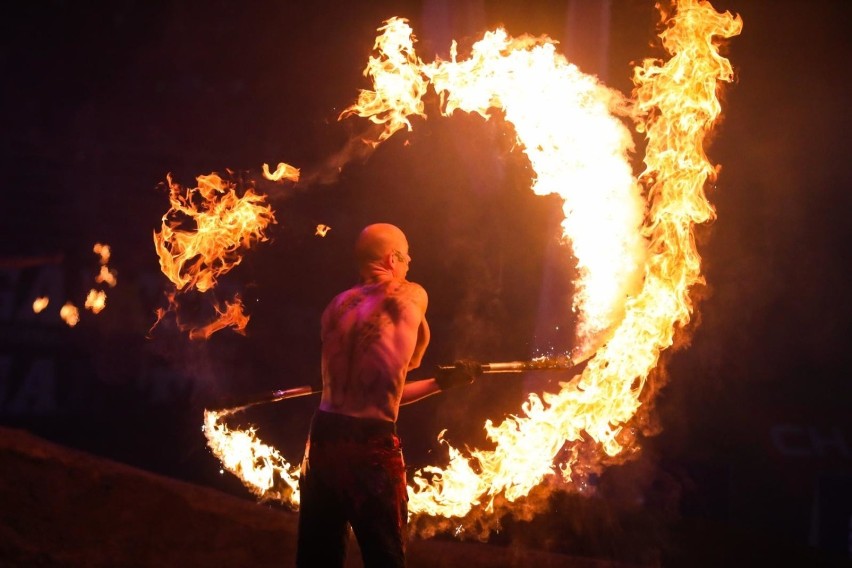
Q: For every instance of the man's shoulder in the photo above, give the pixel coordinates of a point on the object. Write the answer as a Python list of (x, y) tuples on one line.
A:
[(342, 299), (409, 287), (414, 292)]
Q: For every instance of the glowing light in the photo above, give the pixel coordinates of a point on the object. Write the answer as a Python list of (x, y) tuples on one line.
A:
[(322, 230), (70, 314), (107, 276), (40, 303), (103, 251), (95, 301)]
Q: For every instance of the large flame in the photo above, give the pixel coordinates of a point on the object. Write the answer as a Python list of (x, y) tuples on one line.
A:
[(637, 263), (203, 236), (261, 468)]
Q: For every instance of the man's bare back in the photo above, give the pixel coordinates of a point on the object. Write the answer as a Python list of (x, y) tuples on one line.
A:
[(374, 333), (353, 473)]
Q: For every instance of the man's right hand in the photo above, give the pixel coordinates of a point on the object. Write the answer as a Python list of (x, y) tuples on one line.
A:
[(463, 372)]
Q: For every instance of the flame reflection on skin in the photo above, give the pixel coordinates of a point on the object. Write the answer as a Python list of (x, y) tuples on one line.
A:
[(637, 267)]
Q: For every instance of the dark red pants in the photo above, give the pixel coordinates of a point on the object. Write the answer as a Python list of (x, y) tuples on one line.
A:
[(353, 475)]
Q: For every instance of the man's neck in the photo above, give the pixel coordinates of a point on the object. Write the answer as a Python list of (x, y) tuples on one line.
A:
[(377, 278)]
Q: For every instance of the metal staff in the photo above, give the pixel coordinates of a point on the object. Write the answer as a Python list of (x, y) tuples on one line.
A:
[(541, 364), (241, 403)]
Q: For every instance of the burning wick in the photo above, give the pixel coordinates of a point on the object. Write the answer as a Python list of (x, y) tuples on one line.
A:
[(322, 230)]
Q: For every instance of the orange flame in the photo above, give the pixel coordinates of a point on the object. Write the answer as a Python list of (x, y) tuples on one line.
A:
[(103, 251), (70, 314), (637, 267), (95, 301), (322, 230), (107, 276), (229, 316), (397, 75), (202, 237), (40, 303), (284, 172), (261, 467)]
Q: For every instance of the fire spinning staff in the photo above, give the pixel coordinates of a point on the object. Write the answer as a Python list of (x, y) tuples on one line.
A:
[(637, 261), (564, 363)]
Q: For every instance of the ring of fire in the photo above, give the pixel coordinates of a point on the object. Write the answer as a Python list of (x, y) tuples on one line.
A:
[(634, 284)]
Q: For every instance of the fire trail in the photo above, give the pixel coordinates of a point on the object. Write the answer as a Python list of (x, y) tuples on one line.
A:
[(631, 237)]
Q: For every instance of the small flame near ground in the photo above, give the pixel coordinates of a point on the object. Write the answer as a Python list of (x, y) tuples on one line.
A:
[(635, 277)]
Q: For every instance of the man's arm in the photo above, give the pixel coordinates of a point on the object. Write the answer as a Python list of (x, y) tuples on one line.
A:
[(463, 372), (418, 390)]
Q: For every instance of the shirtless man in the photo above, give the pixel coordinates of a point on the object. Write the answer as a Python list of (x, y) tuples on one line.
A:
[(353, 472)]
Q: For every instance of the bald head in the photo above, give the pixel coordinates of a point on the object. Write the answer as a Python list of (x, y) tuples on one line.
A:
[(375, 243)]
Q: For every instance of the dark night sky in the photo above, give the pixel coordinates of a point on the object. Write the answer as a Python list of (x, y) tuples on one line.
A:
[(102, 100)]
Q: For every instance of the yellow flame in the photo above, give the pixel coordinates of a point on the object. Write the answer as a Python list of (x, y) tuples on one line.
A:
[(223, 224), (202, 237), (95, 301), (103, 251), (261, 468), (397, 75), (107, 276), (69, 314), (284, 172), (231, 315), (637, 263), (322, 230), (40, 303)]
